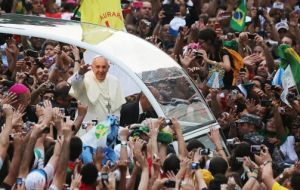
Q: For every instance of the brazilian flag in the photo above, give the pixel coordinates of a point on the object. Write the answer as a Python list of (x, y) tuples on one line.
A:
[(289, 56), (238, 18)]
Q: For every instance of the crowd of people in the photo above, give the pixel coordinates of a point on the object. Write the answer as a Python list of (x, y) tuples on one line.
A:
[(50, 99)]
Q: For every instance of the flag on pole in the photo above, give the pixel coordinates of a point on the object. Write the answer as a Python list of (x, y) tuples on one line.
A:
[(103, 12), (277, 80), (239, 17), (289, 57), (287, 82)]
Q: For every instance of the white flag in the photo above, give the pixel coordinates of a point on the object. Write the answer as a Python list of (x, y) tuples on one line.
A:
[(216, 80), (287, 82)]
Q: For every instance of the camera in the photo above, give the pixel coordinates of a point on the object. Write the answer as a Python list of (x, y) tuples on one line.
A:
[(170, 184), (29, 79), (104, 177), (169, 122), (195, 166), (74, 104), (260, 11), (205, 151), (251, 36), (255, 149), (32, 53), (197, 54), (243, 70), (231, 141)]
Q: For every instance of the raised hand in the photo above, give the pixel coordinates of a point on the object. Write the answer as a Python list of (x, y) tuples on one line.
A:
[(10, 98), (214, 136), (84, 68), (20, 77), (76, 181), (8, 110), (17, 115), (81, 109), (187, 59), (75, 51), (251, 105)]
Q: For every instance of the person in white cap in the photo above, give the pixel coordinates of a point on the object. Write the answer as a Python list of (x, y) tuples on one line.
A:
[(101, 92)]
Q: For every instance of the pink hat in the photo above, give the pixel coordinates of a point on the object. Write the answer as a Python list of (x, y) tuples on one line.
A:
[(71, 2), (19, 89)]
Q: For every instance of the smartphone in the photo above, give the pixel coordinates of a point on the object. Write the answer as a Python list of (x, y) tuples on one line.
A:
[(243, 69), (19, 181), (170, 184), (168, 122), (104, 177), (255, 149), (74, 104), (95, 121), (205, 151), (11, 137), (239, 159), (84, 125), (195, 166), (248, 85), (62, 110), (32, 53)]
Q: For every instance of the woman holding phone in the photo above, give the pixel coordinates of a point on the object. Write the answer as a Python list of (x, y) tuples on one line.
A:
[(217, 58)]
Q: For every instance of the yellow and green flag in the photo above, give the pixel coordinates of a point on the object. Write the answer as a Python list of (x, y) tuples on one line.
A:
[(106, 13), (238, 18), (289, 57)]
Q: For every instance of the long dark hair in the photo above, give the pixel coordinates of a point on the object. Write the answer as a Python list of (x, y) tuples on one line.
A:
[(210, 36)]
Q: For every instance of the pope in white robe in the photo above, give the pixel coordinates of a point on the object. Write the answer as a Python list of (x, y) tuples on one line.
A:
[(101, 92)]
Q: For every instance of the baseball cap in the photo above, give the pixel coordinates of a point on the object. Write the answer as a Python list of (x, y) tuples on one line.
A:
[(250, 118), (282, 25), (278, 5), (34, 178), (175, 25)]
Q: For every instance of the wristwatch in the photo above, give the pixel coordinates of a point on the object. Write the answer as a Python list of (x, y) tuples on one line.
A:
[(124, 143)]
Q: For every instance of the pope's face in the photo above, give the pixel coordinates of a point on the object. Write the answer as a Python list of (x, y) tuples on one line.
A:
[(100, 68)]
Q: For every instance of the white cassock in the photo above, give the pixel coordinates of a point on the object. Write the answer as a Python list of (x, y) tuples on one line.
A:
[(100, 97)]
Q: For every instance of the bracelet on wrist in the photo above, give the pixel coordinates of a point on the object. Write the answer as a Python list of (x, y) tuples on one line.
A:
[(267, 162)]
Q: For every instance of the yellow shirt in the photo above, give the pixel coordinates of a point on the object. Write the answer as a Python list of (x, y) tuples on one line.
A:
[(277, 186)]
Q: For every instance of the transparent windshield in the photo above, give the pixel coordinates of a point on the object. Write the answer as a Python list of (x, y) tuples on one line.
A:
[(178, 97)]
